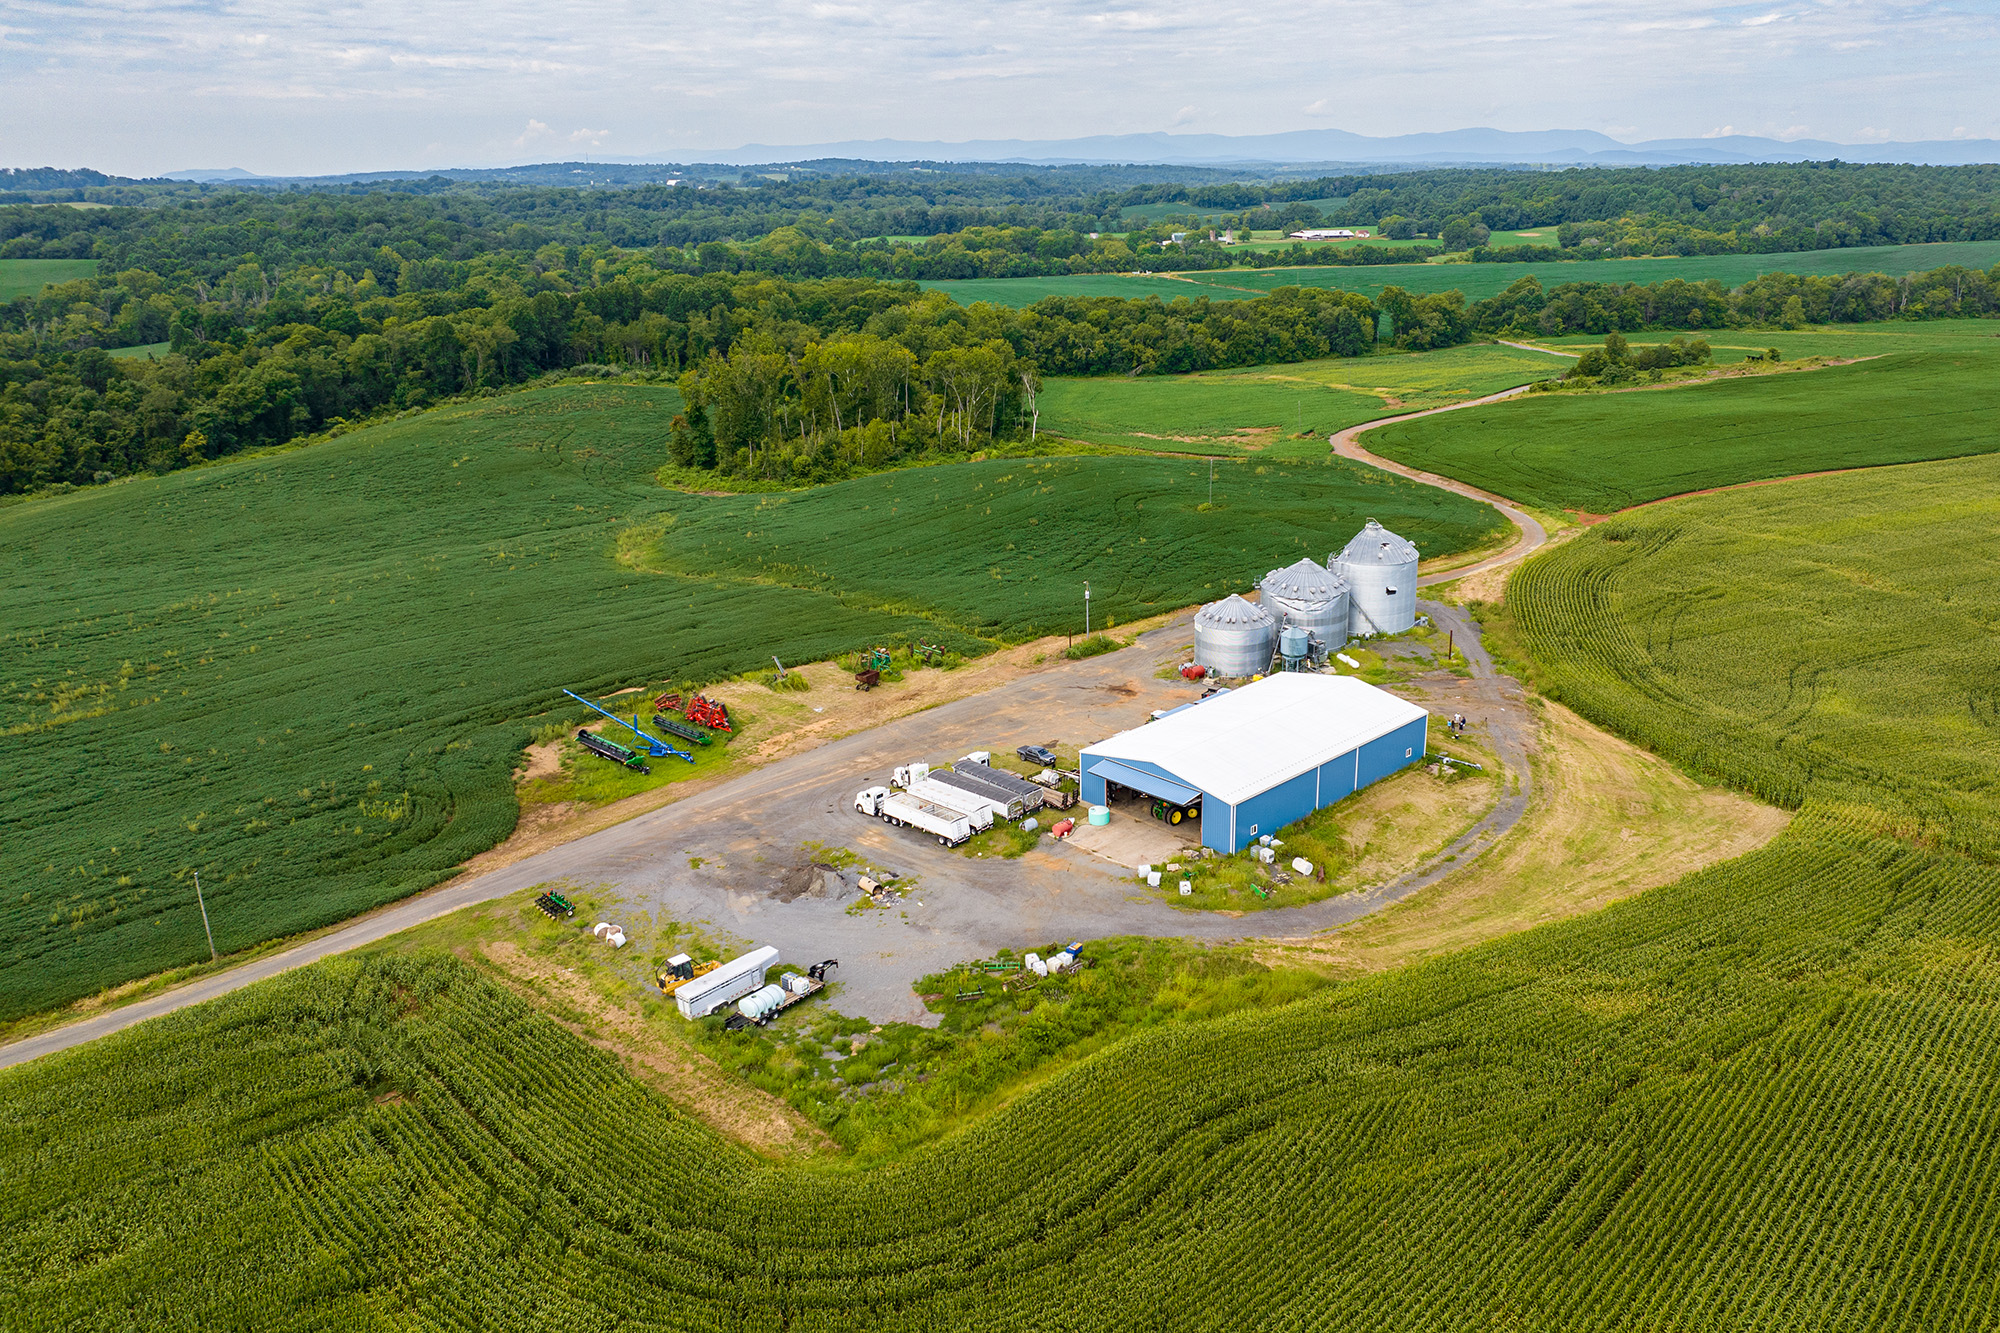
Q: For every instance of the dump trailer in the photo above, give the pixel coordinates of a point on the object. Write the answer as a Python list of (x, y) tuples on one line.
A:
[(978, 811), (1015, 797), (907, 811), (732, 981), (613, 751)]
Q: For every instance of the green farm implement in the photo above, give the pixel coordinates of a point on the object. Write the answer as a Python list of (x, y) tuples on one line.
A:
[(682, 729)]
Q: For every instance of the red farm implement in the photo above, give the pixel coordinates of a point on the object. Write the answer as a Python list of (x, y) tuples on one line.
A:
[(710, 713)]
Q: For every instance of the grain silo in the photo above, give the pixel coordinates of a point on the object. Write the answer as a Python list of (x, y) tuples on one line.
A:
[(1313, 598), (1381, 571), (1233, 637)]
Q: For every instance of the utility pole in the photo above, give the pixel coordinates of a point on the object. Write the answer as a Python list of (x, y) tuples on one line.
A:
[(1086, 608), (204, 917)]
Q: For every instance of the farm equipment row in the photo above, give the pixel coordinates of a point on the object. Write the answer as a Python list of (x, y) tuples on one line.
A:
[(656, 747), (554, 905), (700, 710)]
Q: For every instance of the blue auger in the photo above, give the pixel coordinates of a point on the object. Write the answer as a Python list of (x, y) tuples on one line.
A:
[(655, 747)]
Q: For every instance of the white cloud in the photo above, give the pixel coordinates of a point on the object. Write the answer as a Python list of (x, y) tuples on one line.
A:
[(277, 86)]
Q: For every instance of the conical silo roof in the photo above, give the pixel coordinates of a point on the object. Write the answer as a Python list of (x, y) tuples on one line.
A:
[(1376, 545), (1233, 610), (1306, 581)]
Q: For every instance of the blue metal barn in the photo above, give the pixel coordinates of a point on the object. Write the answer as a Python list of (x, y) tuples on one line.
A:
[(1264, 755)]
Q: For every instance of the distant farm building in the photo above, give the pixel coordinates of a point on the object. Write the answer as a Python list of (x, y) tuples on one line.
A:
[(1328, 234)]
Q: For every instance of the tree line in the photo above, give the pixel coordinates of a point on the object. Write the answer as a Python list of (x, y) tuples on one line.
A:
[(785, 378)]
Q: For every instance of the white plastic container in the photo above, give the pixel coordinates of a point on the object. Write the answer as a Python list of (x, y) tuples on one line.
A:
[(1303, 866), (1061, 961), (761, 1001), (798, 983), (1146, 870), (1187, 888), (1030, 825), (1036, 965), (1266, 855), (1152, 879)]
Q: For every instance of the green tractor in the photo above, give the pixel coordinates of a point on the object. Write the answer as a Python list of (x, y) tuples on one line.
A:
[(1169, 813)]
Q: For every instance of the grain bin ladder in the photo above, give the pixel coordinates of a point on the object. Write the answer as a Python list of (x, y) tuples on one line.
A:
[(656, 747)]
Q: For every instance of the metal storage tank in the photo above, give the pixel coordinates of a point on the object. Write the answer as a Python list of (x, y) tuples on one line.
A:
[(1232, 637), (1294, 647), (1312, 597), (1381, 570)]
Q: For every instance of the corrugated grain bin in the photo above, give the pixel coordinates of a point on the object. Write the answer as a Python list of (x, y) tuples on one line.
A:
[(1381, 572), (1233, 637), (1312, 597)]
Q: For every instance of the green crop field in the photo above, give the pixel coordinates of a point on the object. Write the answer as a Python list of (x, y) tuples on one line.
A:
[(307, 675), (1604, 452), (1019, 292), (1981, 336), (1266, 409), (1479, 281), (1828, 639), (25, 277), (1758, 1099), (1003, 548)]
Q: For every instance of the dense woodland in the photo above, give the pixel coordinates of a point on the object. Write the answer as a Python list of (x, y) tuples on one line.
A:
[(801, 350)]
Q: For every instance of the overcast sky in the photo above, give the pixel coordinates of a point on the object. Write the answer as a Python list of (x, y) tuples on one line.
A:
[(143, 86)]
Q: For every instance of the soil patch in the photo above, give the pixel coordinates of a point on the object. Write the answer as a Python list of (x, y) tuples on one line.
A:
[(544, 761), (685, 1076)]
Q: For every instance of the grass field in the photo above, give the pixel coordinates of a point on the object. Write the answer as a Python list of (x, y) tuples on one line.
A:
[(307, 676), (1980, 336), (1599, 453), (1828, 639), (1479, 281), (143, 352), (25, 277), (1278, 411), (1003, 548)]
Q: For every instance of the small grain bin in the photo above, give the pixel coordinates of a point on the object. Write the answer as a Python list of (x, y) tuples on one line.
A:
[(1233, 637), (1312, 597), (1294, 647), (1381, 572)]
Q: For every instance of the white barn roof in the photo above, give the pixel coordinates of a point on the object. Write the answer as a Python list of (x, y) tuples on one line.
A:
[(1236, 745)]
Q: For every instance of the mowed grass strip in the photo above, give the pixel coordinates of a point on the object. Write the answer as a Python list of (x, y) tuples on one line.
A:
[(1002, 548), (1265, 410), (308, 675), (1599, 453)]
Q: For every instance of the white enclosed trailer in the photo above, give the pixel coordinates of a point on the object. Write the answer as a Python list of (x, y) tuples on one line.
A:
[(732, 981), (909, 811)]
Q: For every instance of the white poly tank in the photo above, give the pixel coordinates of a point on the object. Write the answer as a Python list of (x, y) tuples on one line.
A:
[(761, 1001), (1381, 572), (1234, 638)]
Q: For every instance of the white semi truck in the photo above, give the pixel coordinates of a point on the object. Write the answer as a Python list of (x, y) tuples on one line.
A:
[(907, 811)]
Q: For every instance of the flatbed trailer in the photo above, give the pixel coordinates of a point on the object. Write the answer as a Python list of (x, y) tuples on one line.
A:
[(907, 811)]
